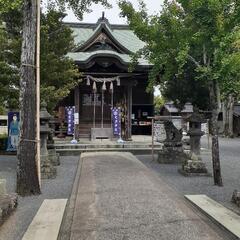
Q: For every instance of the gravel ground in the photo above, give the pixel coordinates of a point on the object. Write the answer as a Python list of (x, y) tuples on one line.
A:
[(230, 165), (17, 223)]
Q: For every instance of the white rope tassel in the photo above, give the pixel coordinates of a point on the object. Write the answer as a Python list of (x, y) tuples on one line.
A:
[(88, 81), (94, 87), (118, 81), (104, 86), (111, 87)]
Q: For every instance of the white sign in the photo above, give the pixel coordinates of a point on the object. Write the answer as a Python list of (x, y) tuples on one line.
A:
[(159, 132)]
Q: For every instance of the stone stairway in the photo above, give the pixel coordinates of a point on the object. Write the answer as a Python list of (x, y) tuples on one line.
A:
[(66, 149)]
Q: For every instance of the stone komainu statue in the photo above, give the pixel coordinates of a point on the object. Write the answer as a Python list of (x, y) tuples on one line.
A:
[(173, 135)]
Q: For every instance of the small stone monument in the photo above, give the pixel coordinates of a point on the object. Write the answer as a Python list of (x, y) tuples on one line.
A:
[(47, 168), (172, 151), (236, 198), (8, 202), (194, 165)]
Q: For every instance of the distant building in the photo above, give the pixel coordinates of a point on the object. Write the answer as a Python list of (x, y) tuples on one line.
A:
[(169, 109)]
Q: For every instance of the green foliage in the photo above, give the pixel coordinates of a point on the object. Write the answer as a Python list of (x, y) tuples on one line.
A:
[(190, 44), (58, 73), (158, 102)]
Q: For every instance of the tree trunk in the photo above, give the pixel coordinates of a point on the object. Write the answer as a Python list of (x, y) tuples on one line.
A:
[(231, 106), (215, 144), (27, 172), (228, 116)]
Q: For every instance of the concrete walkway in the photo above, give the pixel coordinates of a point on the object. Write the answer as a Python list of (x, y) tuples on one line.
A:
[(118, 198)]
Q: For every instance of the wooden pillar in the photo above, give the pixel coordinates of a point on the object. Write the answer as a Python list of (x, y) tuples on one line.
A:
[(77, 109), (129, 104)]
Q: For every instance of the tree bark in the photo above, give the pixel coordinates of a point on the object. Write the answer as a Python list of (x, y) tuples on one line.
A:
[(27, 171), (215, 144), (228, 116)]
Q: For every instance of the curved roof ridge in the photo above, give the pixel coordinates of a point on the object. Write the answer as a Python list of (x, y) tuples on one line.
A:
[(102, 24)]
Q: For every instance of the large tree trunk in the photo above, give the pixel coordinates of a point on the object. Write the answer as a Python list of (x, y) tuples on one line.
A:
[(27, 171), (215, 144)]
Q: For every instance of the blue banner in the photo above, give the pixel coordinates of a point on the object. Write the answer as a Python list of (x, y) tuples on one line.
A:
[(13, 131), (116, 118), (70, 120)]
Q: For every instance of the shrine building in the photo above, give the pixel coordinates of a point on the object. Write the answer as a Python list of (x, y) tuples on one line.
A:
[(103, 56)]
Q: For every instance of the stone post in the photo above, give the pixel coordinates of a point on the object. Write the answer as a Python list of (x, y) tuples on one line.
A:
[(47, 168), (194, 164)]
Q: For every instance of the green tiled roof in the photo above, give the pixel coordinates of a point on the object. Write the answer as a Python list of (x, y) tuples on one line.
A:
[(121, 33), (124, 36)]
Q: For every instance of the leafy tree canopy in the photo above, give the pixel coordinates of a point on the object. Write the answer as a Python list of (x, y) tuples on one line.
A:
[(58, 73), (189, 43)]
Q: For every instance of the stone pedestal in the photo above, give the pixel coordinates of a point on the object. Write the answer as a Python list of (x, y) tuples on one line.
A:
[(54, 156), (47, 168), (193, 166), (8, 202), (2, 187), (171, 155), (236, 198), (172, 152)]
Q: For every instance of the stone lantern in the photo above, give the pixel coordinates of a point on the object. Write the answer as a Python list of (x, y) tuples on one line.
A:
[(47, 168), (194, 165)]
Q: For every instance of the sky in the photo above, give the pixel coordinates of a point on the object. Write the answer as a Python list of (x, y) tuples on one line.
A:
[(112, 14)]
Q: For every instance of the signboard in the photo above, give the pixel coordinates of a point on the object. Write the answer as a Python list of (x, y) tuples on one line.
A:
[(159, 132), (116, 113), (70, 120), (13, 130)]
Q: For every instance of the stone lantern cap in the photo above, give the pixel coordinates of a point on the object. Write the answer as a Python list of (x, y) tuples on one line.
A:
[(196, 118), (44, 114)]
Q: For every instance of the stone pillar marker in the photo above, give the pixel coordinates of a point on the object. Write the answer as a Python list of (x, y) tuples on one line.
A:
[(47, 168), (194, 164)]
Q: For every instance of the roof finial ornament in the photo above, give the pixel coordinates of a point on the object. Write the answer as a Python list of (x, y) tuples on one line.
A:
[(103, 15)]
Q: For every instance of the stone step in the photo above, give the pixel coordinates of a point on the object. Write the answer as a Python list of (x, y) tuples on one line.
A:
[(100, 146), (74, 152), (46, 223), (217, 212)]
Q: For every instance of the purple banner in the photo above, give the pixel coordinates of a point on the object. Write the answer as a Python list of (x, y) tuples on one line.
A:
[(70, 120), (116, 112)]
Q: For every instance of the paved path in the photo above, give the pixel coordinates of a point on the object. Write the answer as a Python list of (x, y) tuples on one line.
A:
[(120, 199)]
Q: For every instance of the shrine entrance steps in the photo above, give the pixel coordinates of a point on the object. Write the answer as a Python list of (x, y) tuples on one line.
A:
[(65, 148)]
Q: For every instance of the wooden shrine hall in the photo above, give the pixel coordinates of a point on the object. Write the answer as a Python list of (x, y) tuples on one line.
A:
[(103, 56)]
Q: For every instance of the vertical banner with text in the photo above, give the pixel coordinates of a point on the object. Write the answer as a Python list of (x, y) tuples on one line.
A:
[(116, 121), (70, 120)]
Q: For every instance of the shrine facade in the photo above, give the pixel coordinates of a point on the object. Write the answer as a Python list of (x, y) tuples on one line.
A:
[(103, 56)]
